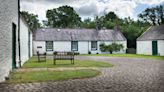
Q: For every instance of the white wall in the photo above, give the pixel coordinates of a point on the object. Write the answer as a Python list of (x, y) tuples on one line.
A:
[(24, 42), (62, 45), (161, 47), (41, 44), (83, 46), (144, 47), (8, 15)]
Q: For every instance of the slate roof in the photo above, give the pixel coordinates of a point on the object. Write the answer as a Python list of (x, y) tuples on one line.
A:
[(54, 34), (153, 33)]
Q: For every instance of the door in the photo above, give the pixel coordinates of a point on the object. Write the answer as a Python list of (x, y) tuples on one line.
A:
[(13, 46), (154, 48)]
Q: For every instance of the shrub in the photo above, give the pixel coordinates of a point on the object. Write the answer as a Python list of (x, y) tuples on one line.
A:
[(111, 48)]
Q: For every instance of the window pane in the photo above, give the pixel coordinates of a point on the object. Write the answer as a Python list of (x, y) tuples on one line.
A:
[(49, 46), (94, 45), (74, 45)]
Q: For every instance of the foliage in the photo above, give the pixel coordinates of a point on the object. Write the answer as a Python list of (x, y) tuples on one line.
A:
[(111, 48), (41, 76), (31, 19), (64, 16), (154, 15), (33, 63)]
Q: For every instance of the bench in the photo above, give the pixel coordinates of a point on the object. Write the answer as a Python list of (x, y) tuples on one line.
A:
[(41, 57), (63, 56)]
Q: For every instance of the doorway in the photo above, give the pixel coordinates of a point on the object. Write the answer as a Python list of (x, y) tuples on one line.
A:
[(154, 48), (13, 45)]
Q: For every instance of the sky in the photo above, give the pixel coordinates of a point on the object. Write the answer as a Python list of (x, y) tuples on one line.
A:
[(90, 8)]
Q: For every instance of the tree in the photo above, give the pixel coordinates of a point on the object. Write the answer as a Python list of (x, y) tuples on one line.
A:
[(64, 16), (154, 15), (111, 16), (88, 23), (31, 19)]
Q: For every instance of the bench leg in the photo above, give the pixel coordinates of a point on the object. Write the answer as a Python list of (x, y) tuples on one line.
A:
[(73, 61), (54, 62)]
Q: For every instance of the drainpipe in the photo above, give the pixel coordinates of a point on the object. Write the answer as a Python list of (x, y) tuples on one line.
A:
[(19, 33)]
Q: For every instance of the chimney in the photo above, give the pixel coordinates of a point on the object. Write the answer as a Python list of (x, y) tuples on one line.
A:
[(98, 26)]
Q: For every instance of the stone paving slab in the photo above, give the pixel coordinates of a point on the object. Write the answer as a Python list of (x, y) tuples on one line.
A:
[(127, 75)]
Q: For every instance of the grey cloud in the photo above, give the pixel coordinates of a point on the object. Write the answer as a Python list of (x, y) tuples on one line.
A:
[(50, 1), (87, 10)]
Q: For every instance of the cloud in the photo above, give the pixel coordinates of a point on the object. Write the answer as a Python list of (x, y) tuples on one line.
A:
[(149, 2), (87, 8)]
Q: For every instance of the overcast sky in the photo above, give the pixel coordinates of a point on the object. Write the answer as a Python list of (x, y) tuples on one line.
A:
[(90, 8)]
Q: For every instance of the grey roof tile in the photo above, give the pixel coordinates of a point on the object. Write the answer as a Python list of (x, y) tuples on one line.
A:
[(52, 34), (153, 33)]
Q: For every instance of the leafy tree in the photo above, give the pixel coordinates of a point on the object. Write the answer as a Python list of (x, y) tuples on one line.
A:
[(64, 16), (31, 19), (111, 16), (154, 15), (87, 23)]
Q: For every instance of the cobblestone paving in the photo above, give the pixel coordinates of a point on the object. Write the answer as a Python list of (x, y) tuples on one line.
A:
[(127, 75)]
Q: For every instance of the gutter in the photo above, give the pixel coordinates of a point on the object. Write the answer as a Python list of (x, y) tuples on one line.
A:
[(19, 49)]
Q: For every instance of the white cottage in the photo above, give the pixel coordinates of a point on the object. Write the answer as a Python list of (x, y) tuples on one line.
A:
[(151, 42), (12, 28), (78, 40)]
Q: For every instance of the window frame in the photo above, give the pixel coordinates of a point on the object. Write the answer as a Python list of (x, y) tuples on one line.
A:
[(94, 49), (72, 46), (51, 48)]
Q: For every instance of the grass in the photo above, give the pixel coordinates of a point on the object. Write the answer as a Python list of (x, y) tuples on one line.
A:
[(32, 63), (40, 76), (129, 55)]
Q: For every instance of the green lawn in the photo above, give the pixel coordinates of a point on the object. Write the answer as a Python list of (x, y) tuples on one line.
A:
[(32, 63), (40, 76), (128, 55)]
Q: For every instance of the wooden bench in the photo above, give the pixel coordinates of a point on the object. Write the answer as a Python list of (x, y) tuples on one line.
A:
[(63, 56), (41, 57)]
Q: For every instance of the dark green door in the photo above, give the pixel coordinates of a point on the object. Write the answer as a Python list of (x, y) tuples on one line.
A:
[(13, 45), (154, 48)]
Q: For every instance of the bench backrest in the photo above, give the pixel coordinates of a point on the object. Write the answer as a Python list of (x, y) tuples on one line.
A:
[(63, 54)]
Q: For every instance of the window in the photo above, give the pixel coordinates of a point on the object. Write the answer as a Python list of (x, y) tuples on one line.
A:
[(94, 45), (49, 45), (74, 46)]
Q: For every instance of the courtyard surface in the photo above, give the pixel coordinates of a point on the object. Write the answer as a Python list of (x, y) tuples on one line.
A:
[(127, 75)]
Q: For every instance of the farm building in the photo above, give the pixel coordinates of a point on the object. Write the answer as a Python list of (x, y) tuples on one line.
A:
[(152, 41), (13, 52), (79, 40)]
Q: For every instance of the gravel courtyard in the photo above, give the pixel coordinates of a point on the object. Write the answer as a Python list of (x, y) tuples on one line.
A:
[(127, 75)]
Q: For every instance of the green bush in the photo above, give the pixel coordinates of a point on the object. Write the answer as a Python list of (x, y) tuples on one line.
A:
[(111, 48)]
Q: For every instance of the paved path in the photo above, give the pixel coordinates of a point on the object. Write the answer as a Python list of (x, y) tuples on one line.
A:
[(127, 75)]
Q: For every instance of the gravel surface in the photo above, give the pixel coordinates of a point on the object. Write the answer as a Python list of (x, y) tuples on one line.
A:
[(127, 75)]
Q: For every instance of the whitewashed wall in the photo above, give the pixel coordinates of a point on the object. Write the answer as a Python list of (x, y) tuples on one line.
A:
[(24, 42), (83, 46), (41, 44), (62, 45), (161, 47), (144, 47), (8, 15)]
